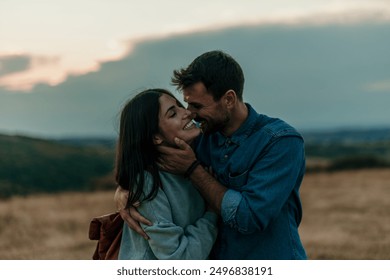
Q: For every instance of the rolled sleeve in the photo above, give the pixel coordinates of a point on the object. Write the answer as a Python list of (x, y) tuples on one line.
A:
[(271, 182), (230, 202)]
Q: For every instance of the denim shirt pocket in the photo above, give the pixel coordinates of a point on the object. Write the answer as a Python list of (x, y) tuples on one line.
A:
[(237, 181)]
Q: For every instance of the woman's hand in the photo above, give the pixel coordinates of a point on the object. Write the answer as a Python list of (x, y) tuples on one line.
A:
[(120, 198), (130, 215)]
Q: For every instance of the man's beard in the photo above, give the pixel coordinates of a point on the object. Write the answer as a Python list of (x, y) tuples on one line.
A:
[(208, 127)]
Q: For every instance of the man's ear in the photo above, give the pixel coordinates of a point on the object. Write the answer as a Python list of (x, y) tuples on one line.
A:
[(230, 98), (157, 140)]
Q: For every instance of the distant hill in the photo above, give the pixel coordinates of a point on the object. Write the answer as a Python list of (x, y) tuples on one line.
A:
[(29, 165), (347, 149), (347, 136), (348, 142), (106, 142)]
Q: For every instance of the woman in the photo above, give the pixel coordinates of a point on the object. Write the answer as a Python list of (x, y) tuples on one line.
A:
[(182, 227)]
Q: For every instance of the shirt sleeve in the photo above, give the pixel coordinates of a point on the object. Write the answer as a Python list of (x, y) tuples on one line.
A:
[(169, 241), (271, 181)]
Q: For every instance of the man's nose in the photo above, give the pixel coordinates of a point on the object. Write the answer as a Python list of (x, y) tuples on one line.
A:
[(190, 108), (188, 113)]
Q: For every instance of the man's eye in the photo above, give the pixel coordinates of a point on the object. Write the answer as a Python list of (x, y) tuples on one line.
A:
[(195, 106)]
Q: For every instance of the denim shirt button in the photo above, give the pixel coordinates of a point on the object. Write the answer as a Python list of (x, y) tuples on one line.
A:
[(224, 158)]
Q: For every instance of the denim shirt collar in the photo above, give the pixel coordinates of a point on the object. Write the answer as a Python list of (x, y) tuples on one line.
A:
[(243, 131)]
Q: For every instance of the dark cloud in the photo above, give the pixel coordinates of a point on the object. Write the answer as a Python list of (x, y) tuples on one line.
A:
[(14, 63), (313, 77)]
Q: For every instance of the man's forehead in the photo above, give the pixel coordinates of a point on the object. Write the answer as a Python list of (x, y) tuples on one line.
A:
[(195, 94), (193, 98)]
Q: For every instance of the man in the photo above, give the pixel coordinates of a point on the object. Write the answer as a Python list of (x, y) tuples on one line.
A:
[(257, 163)]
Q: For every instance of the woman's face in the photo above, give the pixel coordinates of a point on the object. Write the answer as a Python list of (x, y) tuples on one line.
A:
[(174, 121)]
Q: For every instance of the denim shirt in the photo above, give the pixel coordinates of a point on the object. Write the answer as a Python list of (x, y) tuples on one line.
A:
[(262, 164)]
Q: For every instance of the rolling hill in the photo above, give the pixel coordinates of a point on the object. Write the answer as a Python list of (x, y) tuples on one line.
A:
[(30, 165)]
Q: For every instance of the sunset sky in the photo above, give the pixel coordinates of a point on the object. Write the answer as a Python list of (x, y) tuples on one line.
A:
[(61, 37), (49, 42)]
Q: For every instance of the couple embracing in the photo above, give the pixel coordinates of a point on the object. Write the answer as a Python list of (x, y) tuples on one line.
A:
[(212, 180)]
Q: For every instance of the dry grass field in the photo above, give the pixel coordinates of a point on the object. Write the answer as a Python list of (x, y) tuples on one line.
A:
[(50, 226), (346, 216)]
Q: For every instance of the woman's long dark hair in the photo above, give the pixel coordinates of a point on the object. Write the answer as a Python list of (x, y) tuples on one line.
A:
[(136, 152)]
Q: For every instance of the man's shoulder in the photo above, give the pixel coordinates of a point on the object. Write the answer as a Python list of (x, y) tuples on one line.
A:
[(271, 126), (274, 127)]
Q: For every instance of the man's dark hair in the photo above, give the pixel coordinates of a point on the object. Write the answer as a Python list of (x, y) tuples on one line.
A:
[(218, 71)]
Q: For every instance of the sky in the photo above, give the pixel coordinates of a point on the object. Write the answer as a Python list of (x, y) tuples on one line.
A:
[(54, 53)]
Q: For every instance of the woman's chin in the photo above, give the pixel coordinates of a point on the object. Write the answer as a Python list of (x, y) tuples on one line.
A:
[(194, 135), (190, 138)]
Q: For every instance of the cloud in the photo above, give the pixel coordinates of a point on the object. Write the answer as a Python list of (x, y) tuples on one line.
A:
[(65, 35), (379, 86), (14, 63), (343, 17), (310, 76), (23, 72)]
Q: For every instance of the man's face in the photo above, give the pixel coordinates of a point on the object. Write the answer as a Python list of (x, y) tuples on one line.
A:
[(212, 115)]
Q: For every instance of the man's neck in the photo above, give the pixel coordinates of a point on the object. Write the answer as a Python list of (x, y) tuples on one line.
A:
[(238, 117)]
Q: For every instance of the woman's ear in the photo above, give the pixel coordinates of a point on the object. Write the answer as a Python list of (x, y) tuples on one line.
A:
[(157, 140)]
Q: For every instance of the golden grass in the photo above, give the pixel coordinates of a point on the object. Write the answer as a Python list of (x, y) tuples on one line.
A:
[(346, 216), (50, 226)]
